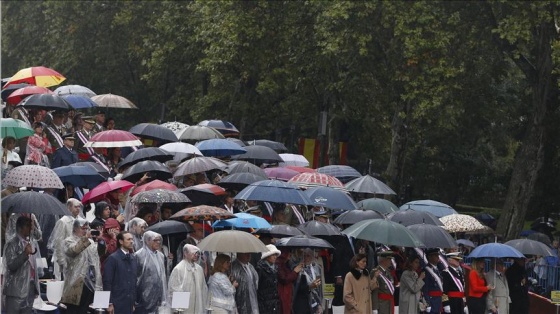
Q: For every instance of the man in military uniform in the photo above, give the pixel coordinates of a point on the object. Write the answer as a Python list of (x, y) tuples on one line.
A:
[(99, 121), (55, 130), (454, 285), (384, 296), (66, 155), (98, 158), (82, 137), (433, 283)]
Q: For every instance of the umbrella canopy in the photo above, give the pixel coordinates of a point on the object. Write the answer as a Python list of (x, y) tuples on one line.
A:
[(243, 167), (331, 198), (113, 138), (541, 237), (219, 147), (202, 212), (79, 176), (46, 102), (461, 223), (15, 128), (317, 228), (293, 160), (341, 172), (8, 90), (238, 181), (33, 202), (154, 132), (170, 227), (433, 236), (224, 127), (276, 146), (378, 204), (236, 141), (312, 179), (98, 193), (274, 191), (369, 184), (75, 90), (113, 101), (181, 150), (385, 232), (33, 176), (147, 153), (496, 250), (301, 169), (438, 209), (155, 168), (175, 126), (198, 164), (466, 242), (304, 241), (232, 241), (97, 167), (205, 194), (258, 154), (282, 231), (280, 173), (243, 220), (79, 102), (353, 216), (530, 247), (412, 217), (40, 76), (153, 185), (25, 92), (195, 133), (160, 196)]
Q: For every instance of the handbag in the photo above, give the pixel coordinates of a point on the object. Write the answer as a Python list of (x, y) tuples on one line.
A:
[(422, 304)]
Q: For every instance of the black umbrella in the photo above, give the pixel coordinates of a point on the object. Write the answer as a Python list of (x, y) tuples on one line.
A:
[(304, 241), (317, 228), (281, 231), (412, 217), (541, 237), (242, 167), (238, 181), (12, 88), (224, 127), (530, 247), (102, 171), (156, 169), (33, 202), (433, 236), (276, 146), (353, 216), (201, 197), (45, 101), (148, 153), (170, 227), (259, 154), (154, 132)]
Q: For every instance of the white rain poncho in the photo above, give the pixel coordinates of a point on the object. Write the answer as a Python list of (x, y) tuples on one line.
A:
[(130, 227), (62, 230), (189, 277), (151, 288)]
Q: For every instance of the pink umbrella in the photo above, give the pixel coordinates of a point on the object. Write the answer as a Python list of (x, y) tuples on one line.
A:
[(308, 179), (280, 173), (301, 169), (98, 193), (156, 184), (113, 138), (22, 93)]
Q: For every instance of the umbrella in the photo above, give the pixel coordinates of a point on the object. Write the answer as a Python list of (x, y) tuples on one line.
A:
[(236, 141), (282, 231), (341, 172), (234, 241), (113, 101), (381, 205), (195, 133), (311, 179), (113, 138), (170, 227), (33, 176), (276, 146), (202, 212), (438, 209), (25, 92), (219, 147), (181, 150), (154, 132), (79, 176), (45, 101), (466, 242), (238, 181), (369, 184), (15, 128), (258, 154), (147, 153), (461, 223), (496, 250), (331, 198), (293, 160), (159, 196), (353, 216), (75, 90), (280, 173), (243, 167), (198, 164), (7, 91), (97, 167), (385, 232), (40, 76), (433, 236), (243, 220), (304, 241), (156, 169), (412, 217), (530, 247), (152, 185), (274, 191), (224, 127), (175, 126), (317, 228), (541, 237), (205, 194), (79, 102), (33, 202), (301, 169), (98, 193)]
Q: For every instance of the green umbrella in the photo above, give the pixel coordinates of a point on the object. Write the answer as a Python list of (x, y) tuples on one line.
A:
[(15, 128), (381, 205), (385, 232)]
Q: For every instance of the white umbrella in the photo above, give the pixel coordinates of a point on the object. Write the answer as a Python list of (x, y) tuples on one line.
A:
[(74, 90), (233, 241), (293, 160), (181, 150), (461, 223), (113, 101)]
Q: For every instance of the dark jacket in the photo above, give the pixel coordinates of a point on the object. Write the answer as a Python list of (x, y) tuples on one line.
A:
[(268, 288), (64, 157), (518, 292), (119, 277)]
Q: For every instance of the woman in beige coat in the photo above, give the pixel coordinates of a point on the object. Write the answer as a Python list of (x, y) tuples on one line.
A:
[(358, 286), (411, 285)]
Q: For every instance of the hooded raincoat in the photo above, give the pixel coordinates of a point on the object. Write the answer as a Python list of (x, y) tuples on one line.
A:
[(189, 277), (151, 285)]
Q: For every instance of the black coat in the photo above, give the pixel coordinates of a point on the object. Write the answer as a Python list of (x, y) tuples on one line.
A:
[(119, 277), (267, 294), (64, 157), (518, 293), (456, 304)]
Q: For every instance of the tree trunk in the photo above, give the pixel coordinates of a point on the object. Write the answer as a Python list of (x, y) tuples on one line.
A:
[(333, 139), (399, 143)]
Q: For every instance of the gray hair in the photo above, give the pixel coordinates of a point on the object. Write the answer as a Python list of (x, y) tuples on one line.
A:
[(150, 236), (135, 222), (79, 223), (73, 202)]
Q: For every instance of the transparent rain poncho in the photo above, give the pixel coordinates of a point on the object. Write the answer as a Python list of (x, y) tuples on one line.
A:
[(62, 230), (189, 277), (151, 289), (35, 236), (138, 238)]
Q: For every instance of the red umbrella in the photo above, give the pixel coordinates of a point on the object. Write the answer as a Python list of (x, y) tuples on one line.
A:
[(22, 93), (97, 194), (208, 188), (113, 138), (156, 184), (300, 169), (308, 179), (40, 76)]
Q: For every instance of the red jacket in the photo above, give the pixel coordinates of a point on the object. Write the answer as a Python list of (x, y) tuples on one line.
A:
[(477, 285), (286, 279)]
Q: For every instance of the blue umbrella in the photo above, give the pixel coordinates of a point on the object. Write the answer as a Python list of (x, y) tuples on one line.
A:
[(436, 208), (274, 191), (219, 147), (331, 198), (79, 102), (243, 220), (79, 176), (341, 172), (497, 250)]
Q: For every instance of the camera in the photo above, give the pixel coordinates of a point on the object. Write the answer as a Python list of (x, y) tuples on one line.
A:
[(95, 233)]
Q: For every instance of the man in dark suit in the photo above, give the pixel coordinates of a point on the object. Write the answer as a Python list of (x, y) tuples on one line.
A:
[(433, 283), (119, 276), (454, 285), (66, 155)]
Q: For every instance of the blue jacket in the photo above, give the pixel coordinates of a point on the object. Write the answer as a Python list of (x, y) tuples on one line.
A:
[(64, 157), (432, 288), (119, 277)]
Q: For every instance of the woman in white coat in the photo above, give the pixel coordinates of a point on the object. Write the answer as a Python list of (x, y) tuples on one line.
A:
[(411, 286), (498, 299)]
